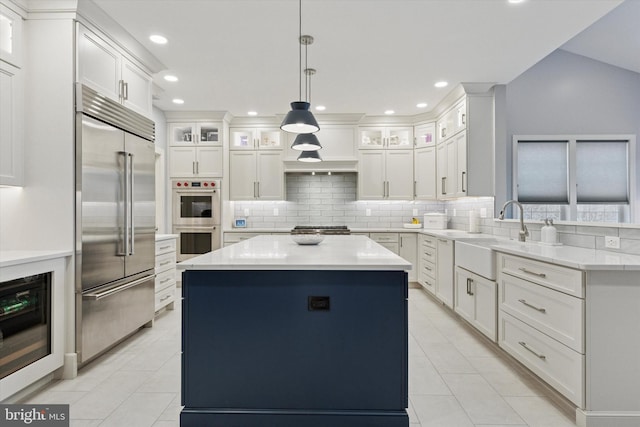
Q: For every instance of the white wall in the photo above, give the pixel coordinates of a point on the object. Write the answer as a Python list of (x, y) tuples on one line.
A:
[(567, 93), (41, 215), (161, 142)]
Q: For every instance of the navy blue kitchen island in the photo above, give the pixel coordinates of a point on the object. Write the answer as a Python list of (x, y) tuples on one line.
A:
[(277, 334)]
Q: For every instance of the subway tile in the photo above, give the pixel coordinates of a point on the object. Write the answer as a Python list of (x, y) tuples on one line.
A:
[(597, 231), (580, 240)]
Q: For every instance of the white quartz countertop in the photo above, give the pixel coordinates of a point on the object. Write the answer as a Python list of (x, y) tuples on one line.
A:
[(570, 256), (9, 258), (273, 252)]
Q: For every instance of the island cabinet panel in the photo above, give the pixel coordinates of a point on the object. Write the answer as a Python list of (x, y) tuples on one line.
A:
[(302, 348)]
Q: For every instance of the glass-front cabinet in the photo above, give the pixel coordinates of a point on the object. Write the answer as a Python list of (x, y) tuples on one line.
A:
[(256, 139), (10, 36), (195, 133), (396, 137)]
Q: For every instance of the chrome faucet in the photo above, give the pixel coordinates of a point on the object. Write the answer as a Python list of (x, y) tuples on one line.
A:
[(523, 228)]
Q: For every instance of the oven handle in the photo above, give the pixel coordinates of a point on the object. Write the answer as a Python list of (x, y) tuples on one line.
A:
[(95, 296)]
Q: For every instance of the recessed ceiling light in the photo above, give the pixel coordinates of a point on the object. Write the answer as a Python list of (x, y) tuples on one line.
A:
[(516, 1), (320, 107), (421, 105), (158, 39), (170, 78), (389, 112), (178, 101), (252, 113), (441, 84)]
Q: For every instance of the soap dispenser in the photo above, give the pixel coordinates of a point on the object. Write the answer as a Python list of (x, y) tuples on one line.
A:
[(549, 233)]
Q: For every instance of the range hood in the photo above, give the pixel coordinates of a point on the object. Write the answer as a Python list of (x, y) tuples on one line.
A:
[(323, 166)]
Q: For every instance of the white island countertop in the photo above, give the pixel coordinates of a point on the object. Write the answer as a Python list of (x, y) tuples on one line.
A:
[(273, 252)]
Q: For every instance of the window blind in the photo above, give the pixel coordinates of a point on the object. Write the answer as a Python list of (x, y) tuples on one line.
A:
[(543, 171), (602, 171)]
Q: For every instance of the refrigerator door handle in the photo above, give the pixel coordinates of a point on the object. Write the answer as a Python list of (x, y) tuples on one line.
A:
[(125, 202), (95, 296), (132, 202)]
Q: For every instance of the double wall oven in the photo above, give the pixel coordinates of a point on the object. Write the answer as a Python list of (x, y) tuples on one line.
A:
[(196, 216)]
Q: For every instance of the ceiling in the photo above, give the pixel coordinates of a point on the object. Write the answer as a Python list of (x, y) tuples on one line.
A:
[(370, 55)]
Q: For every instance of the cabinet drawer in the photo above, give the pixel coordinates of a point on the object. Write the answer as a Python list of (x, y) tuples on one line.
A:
[(554, 313), (556, 277), (231, 238), (429, 269), (428, 241), (165, 262), (384, 237), (166, 279), (164, 246), (429, 254), (428, 283), (555, 363), (165, 297)]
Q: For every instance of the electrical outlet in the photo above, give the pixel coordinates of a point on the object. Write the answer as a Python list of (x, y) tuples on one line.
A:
[(246, 211), (368, 212), (275, 212), (612, 242), (415, 212), (483, 212)]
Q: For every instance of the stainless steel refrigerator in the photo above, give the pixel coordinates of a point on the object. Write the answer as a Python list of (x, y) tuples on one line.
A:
[(115, 222)]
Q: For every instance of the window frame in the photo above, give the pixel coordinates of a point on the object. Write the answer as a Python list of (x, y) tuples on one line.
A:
[(569, 212)]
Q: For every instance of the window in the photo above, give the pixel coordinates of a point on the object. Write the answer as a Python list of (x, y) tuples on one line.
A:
[(583, 178)]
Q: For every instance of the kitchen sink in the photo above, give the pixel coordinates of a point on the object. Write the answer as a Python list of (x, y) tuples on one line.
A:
[(477, 256)]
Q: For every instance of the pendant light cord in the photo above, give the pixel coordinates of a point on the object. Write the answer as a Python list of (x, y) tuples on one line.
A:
[(300, 50)]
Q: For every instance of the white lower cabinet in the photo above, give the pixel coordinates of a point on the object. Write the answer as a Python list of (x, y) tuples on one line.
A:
[(427, 263), (444, 277), (165, 284), (475, 300), (408, 251), (541, 321)]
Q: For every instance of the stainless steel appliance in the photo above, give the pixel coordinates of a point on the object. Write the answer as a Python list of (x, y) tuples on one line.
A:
[(115, 222), (25, 322), (196, 203), (196, 217), (321, 229)]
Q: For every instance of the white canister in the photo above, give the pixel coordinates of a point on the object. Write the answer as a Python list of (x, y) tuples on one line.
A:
[(549, 234), (474, 222)]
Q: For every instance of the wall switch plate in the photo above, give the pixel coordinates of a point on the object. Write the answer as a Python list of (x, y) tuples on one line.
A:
[(415, 212), (275, 212), (368, 212), (483, 212), (246, 211), (612, 242)]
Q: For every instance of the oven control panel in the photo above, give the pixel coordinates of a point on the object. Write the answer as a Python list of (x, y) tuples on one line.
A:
[(196, 184)]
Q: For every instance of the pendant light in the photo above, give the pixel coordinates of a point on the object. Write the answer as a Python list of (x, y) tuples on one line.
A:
[(300, 119), (307, 141), (309, 157)]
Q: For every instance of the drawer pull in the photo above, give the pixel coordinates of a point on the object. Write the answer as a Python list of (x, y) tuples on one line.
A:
[(165, 263), (164, 298), (427, 268), (541, 310), (164, 247), (427, 254), (524, 270), (444, 241), (165, 280), (524, 344)]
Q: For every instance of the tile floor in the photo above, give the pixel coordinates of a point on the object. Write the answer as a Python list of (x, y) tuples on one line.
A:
[(456, 379)]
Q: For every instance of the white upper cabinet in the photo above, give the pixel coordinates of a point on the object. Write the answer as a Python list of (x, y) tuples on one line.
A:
[(395, 137), (11, 99), (104, 68), (385, 175), (255, 139), (10, 37), (195, 133), (425, 135), (256, 175), (425, 173)]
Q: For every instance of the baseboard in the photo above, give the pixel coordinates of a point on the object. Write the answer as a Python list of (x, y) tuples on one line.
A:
[(607, 418)]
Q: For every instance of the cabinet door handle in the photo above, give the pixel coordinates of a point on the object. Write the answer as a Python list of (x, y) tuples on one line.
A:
[(415, 184), (524, 344), (120, 89), (193, 168), (258, 185), (198, 168), (444, 185), (125, 91), (464, 118), (464, 174), (524, 270), (254, 189), (469, 282), (541, 310)]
